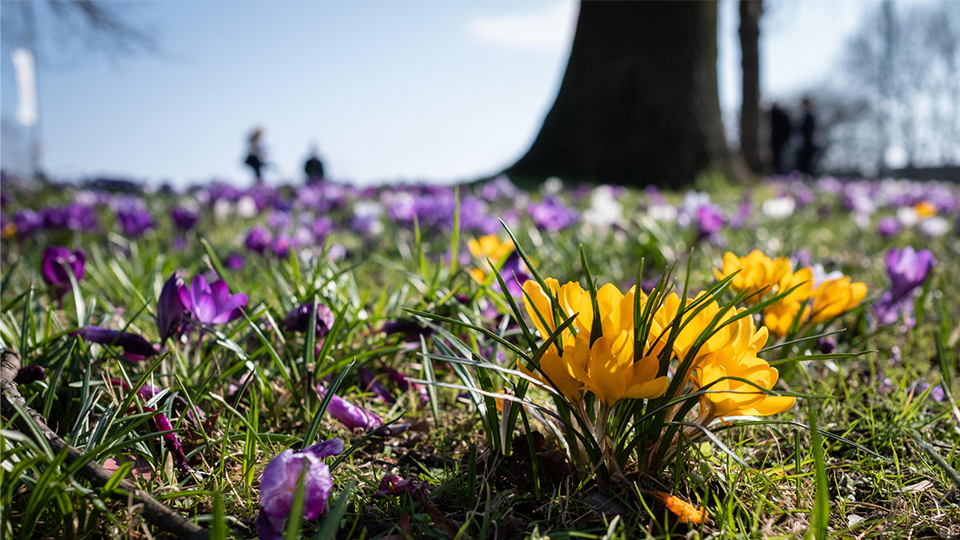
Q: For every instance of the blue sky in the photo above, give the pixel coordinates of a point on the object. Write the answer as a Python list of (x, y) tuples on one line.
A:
[(415, 90)]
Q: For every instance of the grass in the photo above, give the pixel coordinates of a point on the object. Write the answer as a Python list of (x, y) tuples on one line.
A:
[(883, 466)]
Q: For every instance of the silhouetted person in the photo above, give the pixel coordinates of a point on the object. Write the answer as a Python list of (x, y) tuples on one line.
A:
[(313, 167), (255, 158), (808, 150), (780, 129)]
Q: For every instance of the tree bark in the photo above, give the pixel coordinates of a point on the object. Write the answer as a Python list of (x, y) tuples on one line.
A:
[(638, 103), (750, 12)]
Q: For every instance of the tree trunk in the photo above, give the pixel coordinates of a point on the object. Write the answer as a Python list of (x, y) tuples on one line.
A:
[(638, 103), (750, 12)]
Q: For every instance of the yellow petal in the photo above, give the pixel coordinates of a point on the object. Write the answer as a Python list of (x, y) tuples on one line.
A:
[(648, 390)]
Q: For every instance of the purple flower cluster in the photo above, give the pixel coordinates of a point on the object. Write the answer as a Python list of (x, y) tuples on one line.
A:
[(74, 217), (134, 221), (551, 214)]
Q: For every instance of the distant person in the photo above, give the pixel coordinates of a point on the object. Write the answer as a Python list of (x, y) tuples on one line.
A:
[(313, 167), (255, 157), (808, 150), (780, 129)]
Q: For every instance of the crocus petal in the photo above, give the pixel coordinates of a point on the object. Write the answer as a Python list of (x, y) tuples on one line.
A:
[(325, 449), (350, 415), (131, 343), (230, 308), (220, 291), (199, 288), (205, 309), (170, 308), (269, 528)]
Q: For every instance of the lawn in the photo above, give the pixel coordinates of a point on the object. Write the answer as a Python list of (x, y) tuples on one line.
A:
[(481, 362)]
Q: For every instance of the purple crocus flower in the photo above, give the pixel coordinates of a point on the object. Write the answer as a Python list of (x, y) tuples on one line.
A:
[(135, 221), (350, 415), (211, 304), (369, 382), (234, 261), (298, 319), (281, 247), (55, 262), (709, 221), (29, 374), (170, 308), (134, 346), (411, 329), (258, 239), (278, 486), (392, 485), (184, 218), (162, 423), (888, 227), (908, 269)]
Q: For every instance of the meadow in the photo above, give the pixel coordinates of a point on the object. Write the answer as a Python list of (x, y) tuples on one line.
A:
[(482, 361)]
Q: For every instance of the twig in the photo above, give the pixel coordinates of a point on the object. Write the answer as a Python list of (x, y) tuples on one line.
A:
[(156, 513)]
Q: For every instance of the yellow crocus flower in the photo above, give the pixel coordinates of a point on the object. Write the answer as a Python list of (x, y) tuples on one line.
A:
[(539, 308), (607, 369), (736, 335), (757, 273), (558, 373), (616, 308), (925, 209), (489, 247), (731, 397), (779, 317), (835, 297)]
